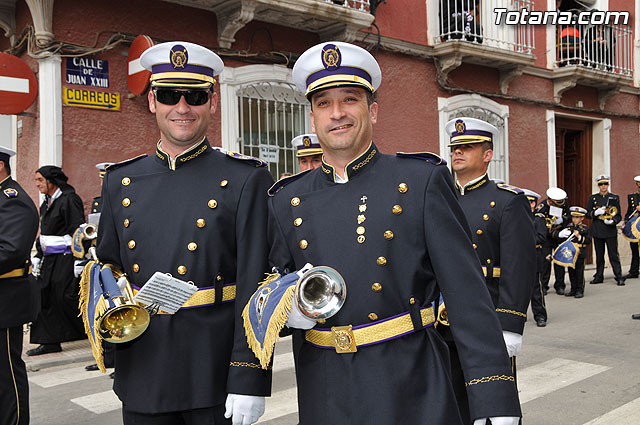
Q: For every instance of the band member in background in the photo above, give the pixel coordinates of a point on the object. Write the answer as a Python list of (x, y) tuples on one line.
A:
[(502, 233), (580, 235), (19, 293), (556, 213), (198, 213), (400, 216), (538, 306), (308, 151), (633, 209), (61, 213), (604, 208)]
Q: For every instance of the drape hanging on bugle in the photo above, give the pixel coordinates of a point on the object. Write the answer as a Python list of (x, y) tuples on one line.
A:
[(631, 230), (566, 254)]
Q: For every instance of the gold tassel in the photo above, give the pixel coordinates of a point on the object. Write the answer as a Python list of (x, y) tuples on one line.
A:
[(83, 304)]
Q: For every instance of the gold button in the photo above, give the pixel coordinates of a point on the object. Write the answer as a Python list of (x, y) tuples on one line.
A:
[(492, 204), (361, 239), (479, 231), (295, 201), (297, 222), (485, 217), (360, 230), (381, 261), (218, 278), (126, 222), (224, 183), (126, 181), (475, 246), (136, 268), (373, 316), (304, 244), (362, 207), (126, 202), (94, 210), (388, 235), (412, 300), (95, 203), (192, 246), (376, 287), (402, 188), (397, 209), (321, 321), (488, 261), (182, 269), (212, 203), (361, 218), (200, 222), (131, 244)]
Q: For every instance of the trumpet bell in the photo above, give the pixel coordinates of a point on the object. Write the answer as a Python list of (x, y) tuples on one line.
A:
[(90, 231), (123, 323), (320, 293)]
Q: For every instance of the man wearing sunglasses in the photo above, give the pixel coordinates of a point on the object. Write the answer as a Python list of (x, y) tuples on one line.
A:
[(199, 214), (604, 208)]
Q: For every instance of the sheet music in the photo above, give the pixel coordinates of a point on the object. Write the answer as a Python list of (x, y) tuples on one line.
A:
[(166, 291), (555, 211)]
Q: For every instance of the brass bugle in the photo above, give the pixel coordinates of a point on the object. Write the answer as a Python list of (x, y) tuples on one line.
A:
[(320, 293), (610, 212), (90, 231)]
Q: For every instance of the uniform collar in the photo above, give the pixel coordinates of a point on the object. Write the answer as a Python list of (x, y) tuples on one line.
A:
[(190, 154), (354, 167), (6, 179), (473, 184)]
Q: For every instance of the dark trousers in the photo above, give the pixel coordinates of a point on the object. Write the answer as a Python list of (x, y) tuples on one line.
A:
[(537, 300), (576, 276), (14, 387), (207, 416), (545, 275), (558, 271), (614, 259), (635, 259)]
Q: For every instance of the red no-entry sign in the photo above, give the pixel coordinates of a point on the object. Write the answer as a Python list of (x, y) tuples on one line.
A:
[(18, 86), (137, 76)]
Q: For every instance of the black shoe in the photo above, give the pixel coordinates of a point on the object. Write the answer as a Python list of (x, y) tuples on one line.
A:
[(44, 349), (579, 295), (570, 294), (631, 276), (596, 281), (620, 281), (91, 367), (560, 291), (636, 316), (541, 323)]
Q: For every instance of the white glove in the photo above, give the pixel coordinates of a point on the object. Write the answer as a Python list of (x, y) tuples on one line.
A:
[(244, 409), (513, 341), (599, 211), (564, 233), (296, 318), (608, 221), (501, 420), (35, 266), (557, 220), (78, 266)]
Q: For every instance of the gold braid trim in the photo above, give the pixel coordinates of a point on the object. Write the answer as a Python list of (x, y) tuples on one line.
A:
[(247, 364), (278, 319), (83, 305), (517, 313), (365, 161), (487, 379)]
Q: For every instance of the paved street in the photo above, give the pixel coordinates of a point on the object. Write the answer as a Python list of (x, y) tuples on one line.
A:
[(583, 368)]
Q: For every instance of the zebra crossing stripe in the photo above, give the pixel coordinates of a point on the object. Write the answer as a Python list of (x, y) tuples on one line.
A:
[(627, 414), (98, 403), (64, 376), (541, 379)]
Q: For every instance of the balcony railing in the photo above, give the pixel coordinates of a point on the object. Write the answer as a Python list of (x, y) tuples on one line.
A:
[(474, 21), (603, 47), (361, 5)]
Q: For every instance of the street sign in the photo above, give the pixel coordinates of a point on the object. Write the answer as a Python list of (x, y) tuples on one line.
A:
[(18, 85), (86, 98), (86, 71), (137, 76)]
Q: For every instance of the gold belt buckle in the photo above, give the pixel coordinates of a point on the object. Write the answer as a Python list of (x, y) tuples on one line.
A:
[(343, 339)]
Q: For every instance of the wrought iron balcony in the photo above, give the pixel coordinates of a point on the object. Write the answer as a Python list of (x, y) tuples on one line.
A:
[(331, 19)]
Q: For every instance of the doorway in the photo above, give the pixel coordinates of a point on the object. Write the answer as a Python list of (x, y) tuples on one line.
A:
[(573, 162)]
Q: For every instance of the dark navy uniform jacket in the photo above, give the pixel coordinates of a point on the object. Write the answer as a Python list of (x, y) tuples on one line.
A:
[(96, 205), (544, 209), (598, 228), (201, 218), (542, 233), (20, 295), (583, 241), (395, 231), (633, 200), (499, 216)]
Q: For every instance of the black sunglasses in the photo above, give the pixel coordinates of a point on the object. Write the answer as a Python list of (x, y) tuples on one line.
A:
[(603, 184), (172, 97)]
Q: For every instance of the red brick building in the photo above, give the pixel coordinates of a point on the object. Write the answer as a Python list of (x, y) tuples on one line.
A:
[(565, 97)]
